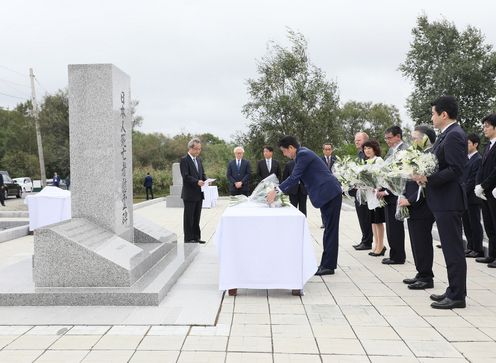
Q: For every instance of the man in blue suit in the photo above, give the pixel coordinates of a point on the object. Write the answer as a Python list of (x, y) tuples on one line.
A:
[(238, 173), (324, 191), (445, 194)]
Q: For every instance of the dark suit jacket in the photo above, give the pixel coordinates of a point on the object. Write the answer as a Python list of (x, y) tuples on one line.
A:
[(148, 181), (486, 176), (445, 189), (262, 171), (333, 160), (297, 188), (191, 191), (321, 185), (1, 180), (418, 208), (469, 177), (243, 175)]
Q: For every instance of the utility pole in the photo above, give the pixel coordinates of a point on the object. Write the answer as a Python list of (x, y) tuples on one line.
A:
[(38, 133)]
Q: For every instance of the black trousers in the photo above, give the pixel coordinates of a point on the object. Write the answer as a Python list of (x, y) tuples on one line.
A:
[(299, 201), (239, 192), (489, 218), (395, 231), (2, 196), (472, 227), (420, 231), (449, 226), (191, 220), (149, 189), (331, 212), (363, 215)]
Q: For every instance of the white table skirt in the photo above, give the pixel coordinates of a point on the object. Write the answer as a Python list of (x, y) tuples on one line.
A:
[(264, 248), (48, 207), (211, 194)]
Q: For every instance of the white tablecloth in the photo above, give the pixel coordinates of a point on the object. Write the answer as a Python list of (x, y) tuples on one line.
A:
[(264, 248), (210, 194), (49, 206)]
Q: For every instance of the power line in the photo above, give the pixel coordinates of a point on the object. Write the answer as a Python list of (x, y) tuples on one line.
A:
[(39, 84), (14, 83), (5, 94), (20, 91), (11, 70)]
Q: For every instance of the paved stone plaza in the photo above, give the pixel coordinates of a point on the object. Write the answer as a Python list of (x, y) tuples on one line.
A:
[(363, 313)]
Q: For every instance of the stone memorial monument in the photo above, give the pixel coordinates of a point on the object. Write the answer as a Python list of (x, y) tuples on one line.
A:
[(174, 199), (103, 255)]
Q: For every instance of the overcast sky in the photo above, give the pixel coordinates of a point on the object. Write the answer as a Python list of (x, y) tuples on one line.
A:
[(189, 60)]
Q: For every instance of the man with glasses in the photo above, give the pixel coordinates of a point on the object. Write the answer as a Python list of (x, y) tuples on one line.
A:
[(193, 179), (395, 230)]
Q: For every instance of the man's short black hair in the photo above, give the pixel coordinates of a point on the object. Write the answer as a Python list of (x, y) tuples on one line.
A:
[(426, 130), (286, 141), (490, 119), (394, 130), (474, 138), (447, 104), (270, 148)]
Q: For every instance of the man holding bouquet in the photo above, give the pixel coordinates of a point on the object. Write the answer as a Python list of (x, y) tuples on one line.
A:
[(447, 200), (324, 191)]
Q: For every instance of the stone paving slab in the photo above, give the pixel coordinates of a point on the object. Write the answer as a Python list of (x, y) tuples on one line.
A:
[(363, 313)]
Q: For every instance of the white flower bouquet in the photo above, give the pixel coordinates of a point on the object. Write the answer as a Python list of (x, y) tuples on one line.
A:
[(346, 170), (259, 195)]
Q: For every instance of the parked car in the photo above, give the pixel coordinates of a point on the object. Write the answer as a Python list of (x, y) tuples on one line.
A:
[(25, 183), (10, 187)]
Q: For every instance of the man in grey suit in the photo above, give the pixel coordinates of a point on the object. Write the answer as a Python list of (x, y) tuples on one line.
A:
[(395, 230)]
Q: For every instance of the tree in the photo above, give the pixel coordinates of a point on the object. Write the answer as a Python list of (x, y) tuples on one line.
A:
[(137, 119), (371, 118), (290, 97), (441, 61)]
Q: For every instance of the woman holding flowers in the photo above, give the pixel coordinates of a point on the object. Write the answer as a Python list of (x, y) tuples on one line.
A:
[(372, 152)]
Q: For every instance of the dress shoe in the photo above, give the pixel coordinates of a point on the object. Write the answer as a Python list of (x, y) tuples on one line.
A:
[(484, 259), (324, 271), (363, 247), (447, 303), (492, 264), (421, 285), (474, 254), (438, 297), (388, 261), (383, 251), (467, 251), (191, 241), (201, 242), (410, 281)]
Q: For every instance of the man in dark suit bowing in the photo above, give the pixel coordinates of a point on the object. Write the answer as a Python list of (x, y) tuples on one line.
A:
[(268, 165), (395, 230), (193, 179), (324, 191), (238, 173), (297, 193), (472, 216), (447, 200), (486, 182)]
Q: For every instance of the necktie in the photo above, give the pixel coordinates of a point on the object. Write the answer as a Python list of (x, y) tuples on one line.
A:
[(328, 161), (196, 163), (268, 165), (238, 162)]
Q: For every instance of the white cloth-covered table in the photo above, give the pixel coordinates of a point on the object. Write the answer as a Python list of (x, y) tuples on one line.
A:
[(211, 194), (49, 206), (264, 248)]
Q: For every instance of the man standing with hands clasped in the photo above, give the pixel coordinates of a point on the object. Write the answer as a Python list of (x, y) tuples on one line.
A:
[(324, 191), (193, 179), (447, 200)]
